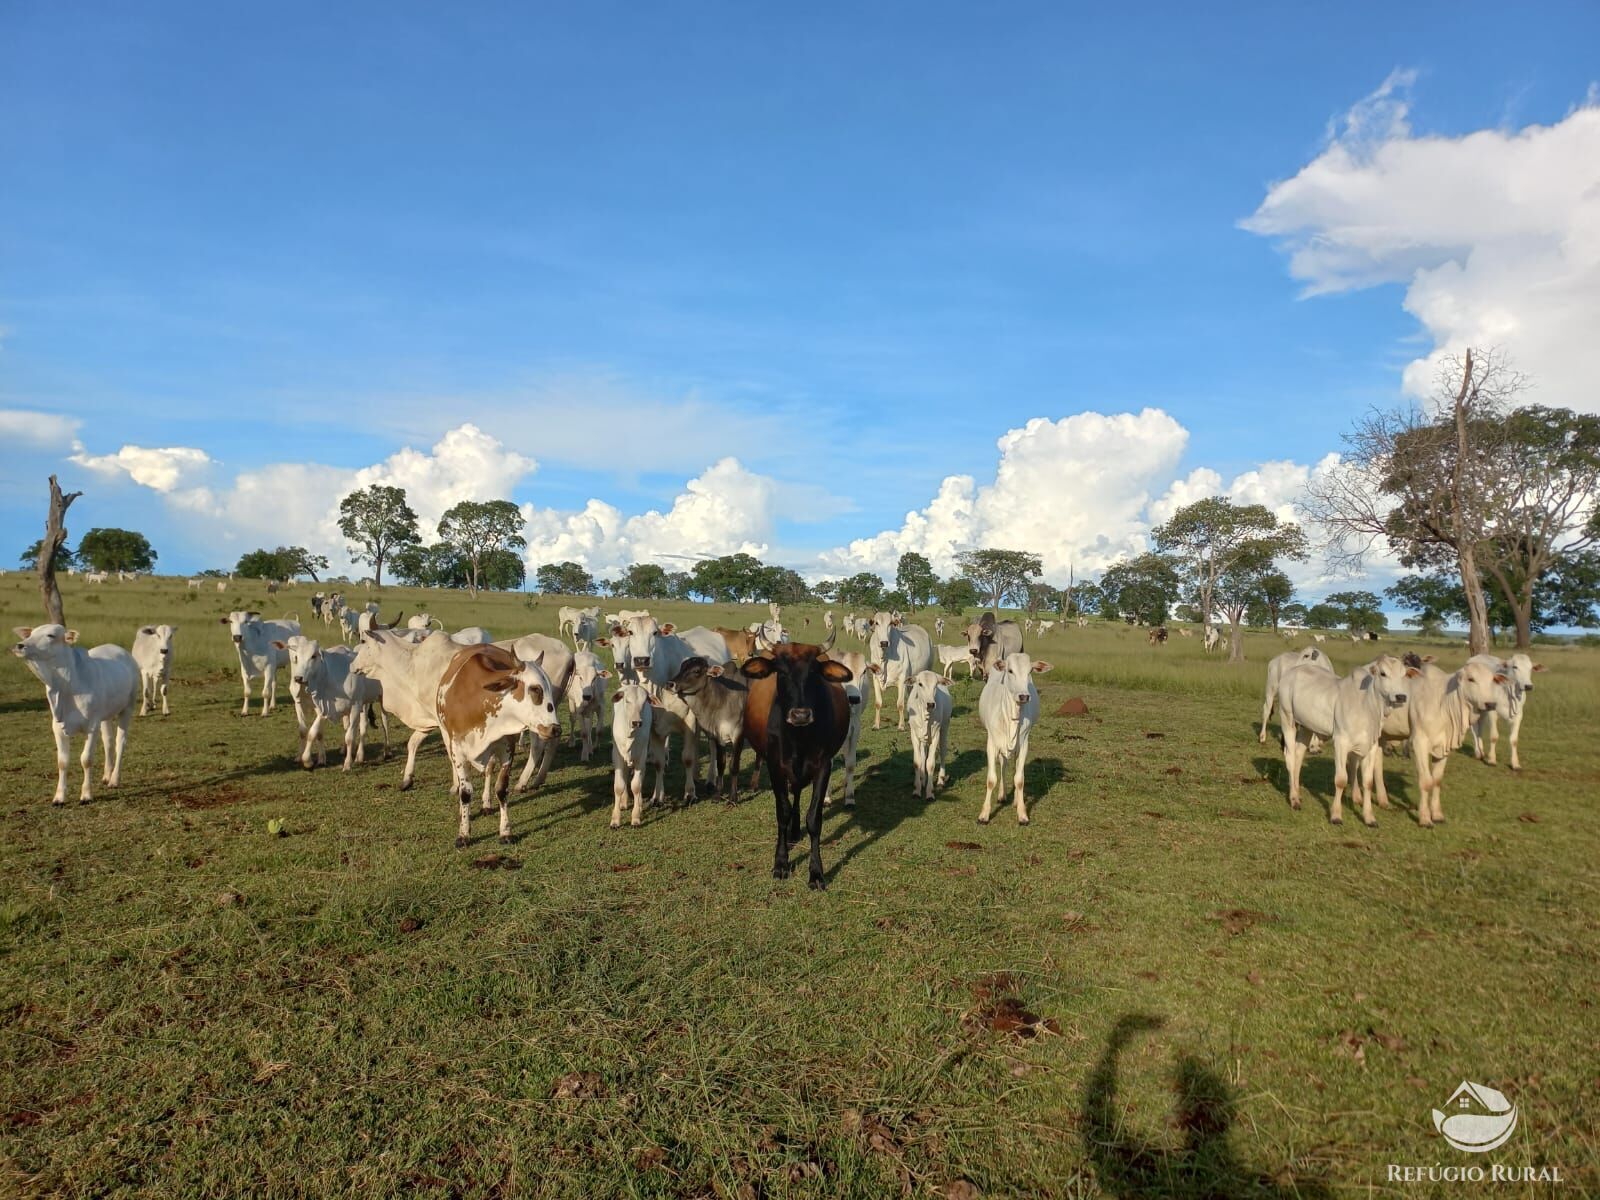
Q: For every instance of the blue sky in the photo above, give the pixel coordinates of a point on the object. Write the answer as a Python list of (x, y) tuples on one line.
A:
[(848, 249)]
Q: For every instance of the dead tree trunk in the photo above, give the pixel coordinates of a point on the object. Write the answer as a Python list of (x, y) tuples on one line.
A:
[(1463, 492), (55, 536)]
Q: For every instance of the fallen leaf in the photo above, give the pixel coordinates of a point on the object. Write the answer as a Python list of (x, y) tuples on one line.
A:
[(1528, 818), (1254, 978), (267, 1070), (410, 924), (1174, 770), (1237, 920), (1393, 1043), (579, 1085), (960, 1189)]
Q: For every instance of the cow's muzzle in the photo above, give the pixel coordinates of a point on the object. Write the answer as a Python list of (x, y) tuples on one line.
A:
[(165, 650), (641, 664), (238, 639), (798, 716)]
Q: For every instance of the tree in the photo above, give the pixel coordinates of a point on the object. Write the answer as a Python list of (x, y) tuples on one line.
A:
[(864, 590), (297, 560), (1324, 616), (1359, 612), (1433, 598), (438, 565), (502, 571), (55, 537), (1041, 597), (781, 585), (680, 585), (1294, 613), (30, 557), (1000, 574), (116, 550), (729, 578), (645, 581), (378, 521), (1087, 598), (565, 578), (914, 576), (1146, 586), (826, 590), (1274, 590), (479, 528), (1213, 537), (259, 564), (958, 594)]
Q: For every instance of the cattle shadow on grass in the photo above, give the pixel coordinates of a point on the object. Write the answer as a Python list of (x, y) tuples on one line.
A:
[(1316, 783), (22, 706), (1204, 1165), (878, 811)]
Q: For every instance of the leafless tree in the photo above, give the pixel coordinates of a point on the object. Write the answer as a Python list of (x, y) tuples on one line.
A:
[(55, 536)]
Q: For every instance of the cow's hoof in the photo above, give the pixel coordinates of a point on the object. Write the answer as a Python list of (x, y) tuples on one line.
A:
[(405, 785), (781, 872), (849, 801), (1022, 820), (983, 820), (1373, 824), (505, 839), (461, 843), (818, 883), (636, 822), (1335, 820), (1295, 804)]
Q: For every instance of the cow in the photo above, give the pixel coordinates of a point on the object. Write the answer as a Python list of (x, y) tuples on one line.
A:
[(1046, 626), (569, 618), (85, 690), (586, 700), (1440, 709), (350, 624), (716, 700), (1188, 633), (317, 601), (253, 641), (409, 673), (472, 635), (367, 619), (741, 643), (991, 640), (899, 651), (194, 584), (1519, 671), (1008, 707), (1083, 622), (635, 745), (272, 587), (557, 663), (336, 692), (1275, 669), (797, 716), (95, 577), (1213, 639), (861, 627), (152, 654), (855, 694), (222, 585), (949, 656), (1157, 636), (1351, 712), (827, 620), (487, 699), (423, 621), (930, 707), (938, 627), (1319, 637)]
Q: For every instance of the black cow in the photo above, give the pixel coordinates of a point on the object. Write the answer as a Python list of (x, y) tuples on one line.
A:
[(796, 717)]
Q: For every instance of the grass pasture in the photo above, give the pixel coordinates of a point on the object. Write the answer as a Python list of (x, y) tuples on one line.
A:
[(1224, 997)]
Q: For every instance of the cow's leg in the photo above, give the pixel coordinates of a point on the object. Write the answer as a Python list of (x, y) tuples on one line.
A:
[(1514, 720), (1293, 754), (780, 804), (819, 793), (730, 777), (991, 777), (310, 740), (1479, 735), (1438, 790), (86, 761), (123, 721), (1341, 777), (878, 687), (1266, 712), (464, 798), (146, 686), (244, 682), (383, 718), (1022, 766), (916, 767), (900, 704), (941, 738), (163, 678), (502, 784), (410, 772), (1421, 756), (620, 777), (657, 753), (850, 768), (636, 787), (63, 757), (352, 722), (1370, 764)]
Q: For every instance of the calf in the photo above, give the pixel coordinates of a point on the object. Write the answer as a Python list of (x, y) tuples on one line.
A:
[(253, 641), (152, 653), (635, 745), (487, 699), (586, 699), (337, 692), (930, 706), (950, 656), (1008, 706), (1275, 670), (938, 627), (1519, 671), (855, 694), (797, 716), (423, 621), (85, 690), (1157, 636), (1439, 711), (717, 704)]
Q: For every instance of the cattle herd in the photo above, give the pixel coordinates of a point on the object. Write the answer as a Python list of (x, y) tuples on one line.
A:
[(797, 706)]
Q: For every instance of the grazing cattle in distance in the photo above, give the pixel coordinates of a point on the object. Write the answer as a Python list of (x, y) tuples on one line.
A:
[(1188, 633), (1349, 711), (194, 585), (717, 703), (1046, 626), (272, 587), (1213, 639), (350, 624), (1083, 622), (1440, 708), (423, 621), (827, 620), (930, 707), (487, 699), (635, 745), (897, 652), (586, 698), (990, 640), (1519, 671), (1158, 636), (1275, 669), (855, 694), (152, 654), (938, 627), (317, 601), (1319, 637), (950, 656), (409, 673), (1008, 707), (861, 627), (95, 577), (337, 692), (222, 585), (253, 641), (796, 716), (85, 691), (568, 618)]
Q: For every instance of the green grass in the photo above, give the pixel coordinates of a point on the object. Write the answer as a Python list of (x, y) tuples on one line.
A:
[(1241, 1000)]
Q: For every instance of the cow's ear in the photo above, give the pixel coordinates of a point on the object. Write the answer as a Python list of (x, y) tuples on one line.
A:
[(1498, 678), (222, 620), (72, 636), (501, 683), (715, 671), (148, 630), (1538, 666), (946, 680), (1040, 668), (874, 669), (22, 631), (650, 701), (602, 674), (758, 667), (667, 628), (616, 697), (280, 645), (835, 672), (602, 641), (252, 616), (1412, 672)]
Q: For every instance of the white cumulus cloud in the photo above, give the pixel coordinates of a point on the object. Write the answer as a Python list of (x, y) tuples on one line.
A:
[(1496, 234), (39, 430), (160, 468)]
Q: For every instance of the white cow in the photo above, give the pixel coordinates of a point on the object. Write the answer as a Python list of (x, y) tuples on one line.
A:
[(194, 585), (409, 674), (950, 656), (95, 577), (336, 692), (827, 620), (855, 693), (897, 652), (656, 652), (1008, 706), (423, 621), (586, 700), (222, 585), (1046, 626), (152, 653), (1083, 622), (636, 744), (1439, 711), (1213, 639), (1275, 669), (938, 627), (253, 640), (1519, 671), (85, 690), (1351, 712), (930, 707), (569, 618)]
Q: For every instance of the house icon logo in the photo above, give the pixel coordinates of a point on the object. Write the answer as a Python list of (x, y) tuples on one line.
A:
[(1476, 1118)]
